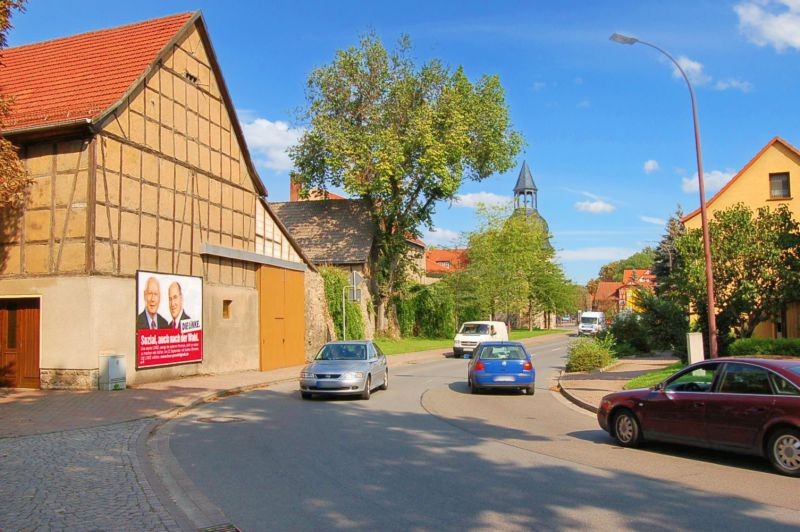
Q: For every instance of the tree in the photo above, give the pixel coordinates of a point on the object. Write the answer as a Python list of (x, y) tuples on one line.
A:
[(756, 263), (666, 258), (402, 138), (511, 265), (641, 260), (14, 179)]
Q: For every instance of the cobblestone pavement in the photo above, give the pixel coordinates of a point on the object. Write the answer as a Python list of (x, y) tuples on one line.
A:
[(84, 479)]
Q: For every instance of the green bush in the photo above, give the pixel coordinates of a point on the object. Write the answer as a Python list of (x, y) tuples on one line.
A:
[(629, 329), (665, 323), (749, 347), (427, 311), (335, 281), (587, 354)]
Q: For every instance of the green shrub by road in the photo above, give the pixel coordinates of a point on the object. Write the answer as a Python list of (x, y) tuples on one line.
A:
[(396, 346), (653, 378), (751, 347), (587, 354)]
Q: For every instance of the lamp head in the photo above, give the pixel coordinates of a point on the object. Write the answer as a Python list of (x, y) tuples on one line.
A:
[(623, 39)]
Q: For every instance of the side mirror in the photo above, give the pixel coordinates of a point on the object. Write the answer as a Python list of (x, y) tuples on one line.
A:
[(659, 387)]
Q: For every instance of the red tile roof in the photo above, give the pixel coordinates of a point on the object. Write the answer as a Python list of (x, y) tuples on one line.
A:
[(80, 76), (607, 291), (638, 276), (436, 260)]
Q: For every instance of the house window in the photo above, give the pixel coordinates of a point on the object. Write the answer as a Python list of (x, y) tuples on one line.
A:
[(779, 185), (444, 264)]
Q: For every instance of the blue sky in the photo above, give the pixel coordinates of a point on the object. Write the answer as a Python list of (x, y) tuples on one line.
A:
[(608, 127)]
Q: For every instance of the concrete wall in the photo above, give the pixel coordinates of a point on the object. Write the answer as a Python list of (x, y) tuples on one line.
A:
[(85, 317)]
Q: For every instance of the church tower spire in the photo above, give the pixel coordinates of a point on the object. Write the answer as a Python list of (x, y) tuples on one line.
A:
[(525, 190)]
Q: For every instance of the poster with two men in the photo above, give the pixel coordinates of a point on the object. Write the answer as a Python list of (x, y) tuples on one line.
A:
[(169, 319)]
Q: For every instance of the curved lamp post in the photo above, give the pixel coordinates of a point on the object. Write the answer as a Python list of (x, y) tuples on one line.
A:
[(712, 321)]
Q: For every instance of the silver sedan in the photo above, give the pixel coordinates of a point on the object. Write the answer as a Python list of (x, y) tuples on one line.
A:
[(345, 368)]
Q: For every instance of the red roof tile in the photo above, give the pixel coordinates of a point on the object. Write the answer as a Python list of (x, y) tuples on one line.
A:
[(638, 276), (607, 291), (436, 260), (80, 76)]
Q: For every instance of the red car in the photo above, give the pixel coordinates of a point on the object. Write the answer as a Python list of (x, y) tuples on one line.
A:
[(744, 405)]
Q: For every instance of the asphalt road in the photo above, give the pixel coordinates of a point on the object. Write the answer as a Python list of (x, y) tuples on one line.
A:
[(427, 455)]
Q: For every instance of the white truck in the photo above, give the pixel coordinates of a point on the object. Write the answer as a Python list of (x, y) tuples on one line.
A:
[(591, 323), (473, 333)]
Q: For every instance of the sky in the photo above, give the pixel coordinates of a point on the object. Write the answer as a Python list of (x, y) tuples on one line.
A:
[(607, 127)]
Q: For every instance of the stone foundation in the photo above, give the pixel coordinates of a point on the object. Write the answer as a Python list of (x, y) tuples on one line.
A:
[(69, 379)]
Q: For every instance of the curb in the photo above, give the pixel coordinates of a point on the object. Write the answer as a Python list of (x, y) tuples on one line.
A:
[(573, 399)]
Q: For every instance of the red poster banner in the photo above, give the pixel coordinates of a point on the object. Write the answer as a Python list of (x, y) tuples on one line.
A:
[(161, 347), (169, 319)]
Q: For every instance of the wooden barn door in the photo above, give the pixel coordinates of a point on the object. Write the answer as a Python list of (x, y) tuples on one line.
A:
[(19, 343), (281, 317)]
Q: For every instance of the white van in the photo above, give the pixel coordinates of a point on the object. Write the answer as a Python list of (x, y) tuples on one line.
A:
[(472, 333), (592, 323)]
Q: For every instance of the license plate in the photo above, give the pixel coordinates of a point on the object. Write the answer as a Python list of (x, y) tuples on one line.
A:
[(504, 379)]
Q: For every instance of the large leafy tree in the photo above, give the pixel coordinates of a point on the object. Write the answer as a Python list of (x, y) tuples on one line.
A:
[(756, 264), (511, 265), (402, 137), (14, 180)]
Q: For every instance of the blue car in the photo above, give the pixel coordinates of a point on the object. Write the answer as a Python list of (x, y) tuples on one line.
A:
[(501, 365)]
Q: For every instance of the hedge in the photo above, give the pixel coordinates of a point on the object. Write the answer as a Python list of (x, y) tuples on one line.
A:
[(587, 354), (748, 347)]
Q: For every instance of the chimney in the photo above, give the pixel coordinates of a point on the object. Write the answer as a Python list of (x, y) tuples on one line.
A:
[(294, 189)]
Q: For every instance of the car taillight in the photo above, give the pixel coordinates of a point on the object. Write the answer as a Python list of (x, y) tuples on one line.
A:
[(527, 366), (479, 366)]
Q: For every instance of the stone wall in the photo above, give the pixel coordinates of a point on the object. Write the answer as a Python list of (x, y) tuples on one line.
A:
[(319, 325), (69, 379)]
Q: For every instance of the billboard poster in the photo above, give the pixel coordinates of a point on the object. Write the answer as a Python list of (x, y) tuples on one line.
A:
[(169, 319)]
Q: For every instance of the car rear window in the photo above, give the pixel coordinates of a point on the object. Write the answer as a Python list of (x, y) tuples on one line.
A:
[(505, 352)]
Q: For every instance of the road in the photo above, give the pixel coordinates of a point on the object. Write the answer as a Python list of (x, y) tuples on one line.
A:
[(427, 455)]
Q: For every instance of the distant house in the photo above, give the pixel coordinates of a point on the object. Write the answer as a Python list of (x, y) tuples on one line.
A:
[(440, 262), (613, 297), (770, 179), (336, 231)]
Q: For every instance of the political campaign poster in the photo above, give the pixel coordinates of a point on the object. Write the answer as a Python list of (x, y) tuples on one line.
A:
[(169, 319)]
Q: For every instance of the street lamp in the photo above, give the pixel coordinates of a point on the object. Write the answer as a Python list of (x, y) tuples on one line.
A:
[(712, 320)]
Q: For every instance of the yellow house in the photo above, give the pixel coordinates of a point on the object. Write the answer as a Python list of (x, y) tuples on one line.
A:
[(768, 180)]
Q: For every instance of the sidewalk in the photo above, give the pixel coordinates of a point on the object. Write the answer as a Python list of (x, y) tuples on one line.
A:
[(587, 389), (25, 412)]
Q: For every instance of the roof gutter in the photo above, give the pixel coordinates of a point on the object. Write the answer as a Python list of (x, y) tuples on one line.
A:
[(47, 128)]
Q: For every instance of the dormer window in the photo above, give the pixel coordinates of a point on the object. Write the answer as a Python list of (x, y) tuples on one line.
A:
[(779, 186)]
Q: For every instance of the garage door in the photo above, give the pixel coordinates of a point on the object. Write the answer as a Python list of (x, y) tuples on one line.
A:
[(281, 317)]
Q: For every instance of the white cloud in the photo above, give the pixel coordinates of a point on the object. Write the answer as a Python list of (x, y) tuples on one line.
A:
[(591, 254), (773, 23), (270, 140), (486, 198), (539, 85), (594, 207), (713, 181), (653, 220), (735, 84), (439, 236), (693, 69), (650, 166)]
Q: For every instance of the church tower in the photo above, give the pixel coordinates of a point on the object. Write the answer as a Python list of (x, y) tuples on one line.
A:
[(525, 191)]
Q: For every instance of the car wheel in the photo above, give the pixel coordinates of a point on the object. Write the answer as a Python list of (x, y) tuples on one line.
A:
[(385, 385), (627, 430), (783, 450), (530, 390), (457, 353), (305, 395), (367, 389), (472, 388)]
